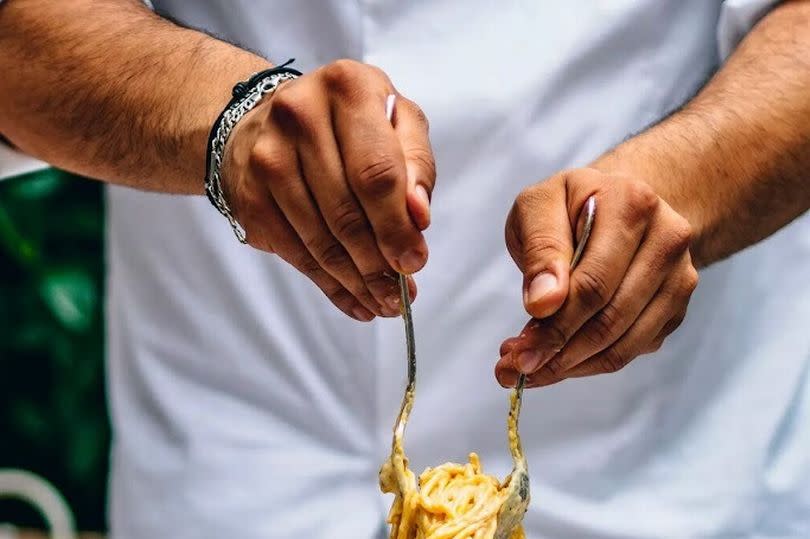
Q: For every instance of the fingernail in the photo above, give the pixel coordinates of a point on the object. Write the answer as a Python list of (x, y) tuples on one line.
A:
[(411, 261), (390, 312), (363, 314), (543, 284), (529, 361)]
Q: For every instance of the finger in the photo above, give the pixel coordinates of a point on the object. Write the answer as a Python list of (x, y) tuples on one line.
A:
[(508, 345), (615, 357), (411, 126), (662, 250), (614, 241), (271, 229), (412, 288), (278, 163), (507, 359), (323, 172), (506, 371), (506, 376), (375, 167), (540, 240), (667, 308), (673, 324)]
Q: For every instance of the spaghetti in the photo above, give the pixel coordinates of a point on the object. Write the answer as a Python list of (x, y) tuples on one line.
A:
[(452, 501)]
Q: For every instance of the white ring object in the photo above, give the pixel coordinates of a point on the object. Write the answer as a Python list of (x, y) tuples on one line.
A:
[(42, 495)]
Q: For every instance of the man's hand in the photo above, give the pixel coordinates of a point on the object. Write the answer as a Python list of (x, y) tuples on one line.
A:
[(629, 291), (315, 173), (319, 175), (743, 141)]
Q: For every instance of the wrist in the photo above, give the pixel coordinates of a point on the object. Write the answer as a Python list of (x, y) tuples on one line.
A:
[(652, 157), (202, 112), (246, 96)]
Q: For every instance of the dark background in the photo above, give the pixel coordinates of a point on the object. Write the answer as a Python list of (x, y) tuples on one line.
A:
[(53, 417)]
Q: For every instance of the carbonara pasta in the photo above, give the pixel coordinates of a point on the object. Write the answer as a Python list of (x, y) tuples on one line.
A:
[(452, 501)]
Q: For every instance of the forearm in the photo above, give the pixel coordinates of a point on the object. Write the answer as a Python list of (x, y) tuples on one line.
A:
[(108, 89), (735, 161)]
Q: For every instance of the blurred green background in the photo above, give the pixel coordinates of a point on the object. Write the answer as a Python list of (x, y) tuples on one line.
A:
[(53, 417)]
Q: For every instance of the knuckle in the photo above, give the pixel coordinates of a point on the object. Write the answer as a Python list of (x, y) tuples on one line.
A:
[(379, 177), (348, 221), (416, 111), (590, 288), (379, 281), (654, 346), (680, 236), (555, 366), (265, 163), (683, 285), (673, 324), (288, 109), (641, 201), (555, 337), (424, 158), (342, 68), (691, 280), (307, 265), (611, 360), (364, 296), (330, 254), (538, 247), (341, 74), (339, 296), (377, 73), (602, 327), (567, 176)]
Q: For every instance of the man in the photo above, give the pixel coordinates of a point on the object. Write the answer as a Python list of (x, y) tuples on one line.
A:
[(245, 405)]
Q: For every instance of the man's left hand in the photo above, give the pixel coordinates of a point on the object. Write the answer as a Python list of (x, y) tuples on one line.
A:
[(627, 294)]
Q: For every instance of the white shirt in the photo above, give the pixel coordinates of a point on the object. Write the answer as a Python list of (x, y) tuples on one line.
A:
[(246, 406)]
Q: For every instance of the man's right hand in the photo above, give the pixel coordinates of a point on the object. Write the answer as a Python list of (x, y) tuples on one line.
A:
[(317, 174)]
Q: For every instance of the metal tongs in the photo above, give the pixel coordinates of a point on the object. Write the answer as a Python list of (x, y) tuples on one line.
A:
[(517, 498)]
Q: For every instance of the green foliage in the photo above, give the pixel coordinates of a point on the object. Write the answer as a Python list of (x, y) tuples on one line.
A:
[(53, 418)]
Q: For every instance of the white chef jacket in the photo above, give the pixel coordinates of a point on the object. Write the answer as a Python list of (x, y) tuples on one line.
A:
[(245, 405)]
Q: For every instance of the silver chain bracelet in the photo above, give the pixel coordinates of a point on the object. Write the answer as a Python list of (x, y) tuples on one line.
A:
[(246, 95)]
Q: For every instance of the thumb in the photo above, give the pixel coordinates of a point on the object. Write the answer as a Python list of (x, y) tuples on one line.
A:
[(411, 126), (539, 237)]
